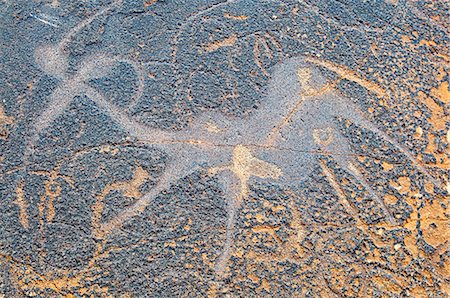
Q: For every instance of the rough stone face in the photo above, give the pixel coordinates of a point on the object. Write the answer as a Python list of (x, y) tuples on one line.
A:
[(224, 148)]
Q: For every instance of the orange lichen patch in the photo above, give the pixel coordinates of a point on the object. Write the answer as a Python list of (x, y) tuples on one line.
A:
[(265, 285), (419, 132), (22, 203), (215, 45), (348, 74), (431, 218), (434, 220), (212, 291), (234, 17), (443, 161), (269, 230), (428, 43), (387, 166), (254, 278), (188, 226), (437, 118), (130, 189), (389, 285), (274, 207), (418, 291), (260, 217), (149, 3), (438, 121), (288, 248), (375, 256), (402, 185), (107, 149), (27, 279), (4, 120), (429, 187), (442, 92), (390, 199), (406, 39), (56, 285)]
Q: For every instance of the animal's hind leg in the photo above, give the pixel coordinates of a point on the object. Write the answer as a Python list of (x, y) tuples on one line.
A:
[(232, 190)]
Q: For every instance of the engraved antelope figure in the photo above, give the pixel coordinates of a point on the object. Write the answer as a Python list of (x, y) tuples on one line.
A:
[(281, 141)]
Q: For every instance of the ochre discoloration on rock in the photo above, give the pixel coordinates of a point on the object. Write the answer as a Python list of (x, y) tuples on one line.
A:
[(236, 17), (5, 121), (226, 42), (22, 204), (129, 189)]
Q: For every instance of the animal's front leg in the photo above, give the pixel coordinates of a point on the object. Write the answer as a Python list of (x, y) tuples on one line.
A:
[(333, 142), (232, 190), (352, 112)]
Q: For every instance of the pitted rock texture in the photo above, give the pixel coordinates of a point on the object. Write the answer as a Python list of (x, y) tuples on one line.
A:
[(224, 148)]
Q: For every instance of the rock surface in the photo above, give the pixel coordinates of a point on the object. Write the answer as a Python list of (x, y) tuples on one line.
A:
[(224, 148)]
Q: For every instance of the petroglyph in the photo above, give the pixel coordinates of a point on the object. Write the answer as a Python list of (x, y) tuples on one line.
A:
[(282, 141), (285, 137), (54, 60)]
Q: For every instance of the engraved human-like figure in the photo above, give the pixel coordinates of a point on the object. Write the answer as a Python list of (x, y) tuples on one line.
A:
[(53, 59)]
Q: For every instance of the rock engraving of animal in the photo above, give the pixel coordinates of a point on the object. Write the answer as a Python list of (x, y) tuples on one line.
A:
[(281, 141)]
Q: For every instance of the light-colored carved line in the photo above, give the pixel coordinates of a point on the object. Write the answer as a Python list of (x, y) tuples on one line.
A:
[(142, 132), (357, 173), (59, 100), (141, 80), (273, 134), (235, 17), (348, 74), (340, 193), (129, 189), (138, 207), (85, 23), (221, 263), (257, 54), (370, 126)]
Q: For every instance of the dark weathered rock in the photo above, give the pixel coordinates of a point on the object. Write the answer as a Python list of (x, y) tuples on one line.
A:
[(234, 148)]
